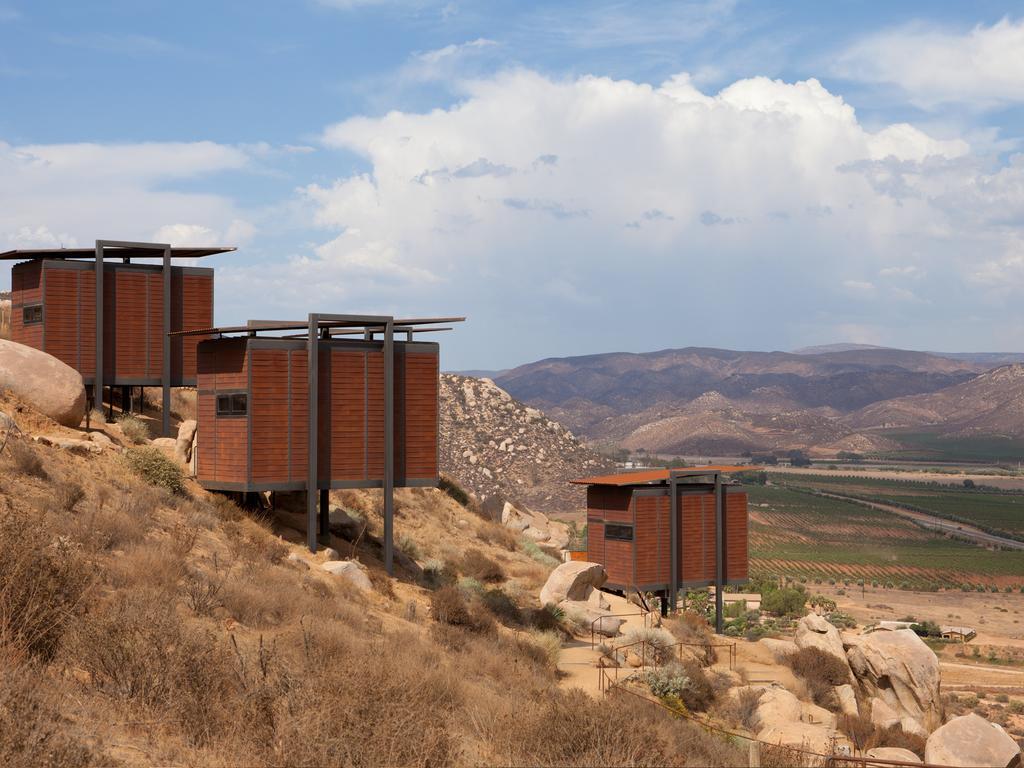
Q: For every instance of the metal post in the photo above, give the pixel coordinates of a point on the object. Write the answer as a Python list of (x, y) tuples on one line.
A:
[(673, 527), (719, 554), (325, 516), (312, 483), (389, 445), (97, 381), (165, 378)]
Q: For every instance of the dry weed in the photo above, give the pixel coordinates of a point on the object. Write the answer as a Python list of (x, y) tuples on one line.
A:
[(26, 459)]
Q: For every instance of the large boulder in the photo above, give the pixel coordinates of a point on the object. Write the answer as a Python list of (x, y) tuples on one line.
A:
[(350, 570), (536, 526), (971, 740), (847, 699), (780, 649), (596, 618), (572, 581), (186, 435), (897, 668), (816, 738), (43, 381), (813, 631)]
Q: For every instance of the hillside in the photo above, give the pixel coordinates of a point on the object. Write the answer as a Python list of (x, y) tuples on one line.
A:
[(141, 627), (503, 450), (992, 403)]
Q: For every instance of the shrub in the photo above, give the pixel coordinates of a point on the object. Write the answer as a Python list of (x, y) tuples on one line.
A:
[(478, 566), (40, 587), (448, 606), (67, 495), (659, 644), (134, 428), (437, 574), (453, 489), (156, 469), (538, 554), (1016, 707), (550, 644), (503, 607), (815, 665), (787, 601), (26, 460), (683, 681)]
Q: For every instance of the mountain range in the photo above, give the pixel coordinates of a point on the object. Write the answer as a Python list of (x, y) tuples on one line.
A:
[(825, 399)]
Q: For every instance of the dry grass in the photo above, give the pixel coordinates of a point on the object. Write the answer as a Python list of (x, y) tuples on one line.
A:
[(479, 566), (197, 646), (26, 459), (41, 587), (134, 428), (32, 731)]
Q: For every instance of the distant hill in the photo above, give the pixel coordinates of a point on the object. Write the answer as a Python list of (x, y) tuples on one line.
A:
[(841, 347), (992, 403), (734, 398)]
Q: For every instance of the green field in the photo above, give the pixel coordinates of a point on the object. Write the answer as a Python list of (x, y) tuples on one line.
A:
[(799, 534), (920, 445), (992, 510)]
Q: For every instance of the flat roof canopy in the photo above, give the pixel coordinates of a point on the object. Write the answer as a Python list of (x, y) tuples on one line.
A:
[(110, 252), (661, 476), (328, 323)]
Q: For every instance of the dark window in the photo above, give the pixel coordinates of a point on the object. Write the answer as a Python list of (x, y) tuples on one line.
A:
[(618, 532), (232, 405), (32, 315)]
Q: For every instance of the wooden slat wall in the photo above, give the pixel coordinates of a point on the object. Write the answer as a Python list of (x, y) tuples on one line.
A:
[(130, 323), (26, 288), (223, 442), (652, 536), (736, 523), (417, 416), (62, 294), (87, 321), (191, 308), (693, 556), (155, 326), (609, 504), (343, 452), (268, 409), (375, 414), (300, 415)]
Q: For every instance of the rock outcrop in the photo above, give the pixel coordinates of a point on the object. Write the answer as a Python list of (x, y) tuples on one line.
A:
[(350, 570), (5, 315), (535, 526), (814, 631), (898, 669), (186, 437), (971, 740), (781, 718), (572, 581), (503, 450), (573, 587), (43, 381), (780, 649)]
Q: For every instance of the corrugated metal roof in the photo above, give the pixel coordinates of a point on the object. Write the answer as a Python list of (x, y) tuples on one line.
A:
[(660, 476)]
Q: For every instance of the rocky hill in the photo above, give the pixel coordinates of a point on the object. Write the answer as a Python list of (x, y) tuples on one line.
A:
[(504, 450), (992, 403)]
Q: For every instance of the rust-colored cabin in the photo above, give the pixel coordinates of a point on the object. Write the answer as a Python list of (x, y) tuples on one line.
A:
[(664, 530), (374, 401), (253, 412), (55, 309)]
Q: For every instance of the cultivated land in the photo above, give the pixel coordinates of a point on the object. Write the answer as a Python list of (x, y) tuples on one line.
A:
[(800, 534)]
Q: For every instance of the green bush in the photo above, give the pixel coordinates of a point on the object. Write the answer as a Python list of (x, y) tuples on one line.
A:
[(788, 601), (156, 469), (683, 681)]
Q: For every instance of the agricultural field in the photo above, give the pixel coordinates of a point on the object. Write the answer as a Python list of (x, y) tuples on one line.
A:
[(923, 445), (800, 535), (989, 509)]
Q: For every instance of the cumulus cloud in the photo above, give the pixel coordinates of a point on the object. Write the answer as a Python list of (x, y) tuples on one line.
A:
[(983, 66), (74, 193), (611, 188)]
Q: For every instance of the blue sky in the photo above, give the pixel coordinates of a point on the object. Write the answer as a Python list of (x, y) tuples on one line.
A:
[(574, 177)]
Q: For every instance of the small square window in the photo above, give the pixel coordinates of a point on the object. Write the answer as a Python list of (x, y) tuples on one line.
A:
[(232, 405), (618, 532), (32, 314)]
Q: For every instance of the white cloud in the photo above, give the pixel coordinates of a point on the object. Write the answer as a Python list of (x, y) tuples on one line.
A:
[(773, 189), (983, 67), (74, 193)]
